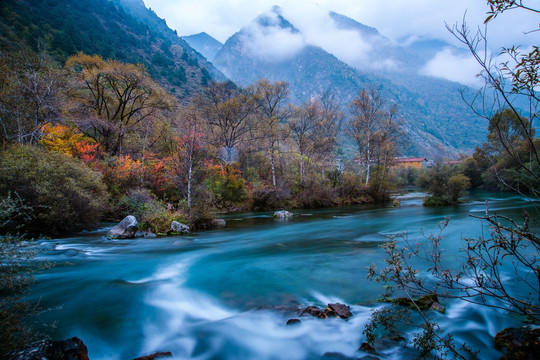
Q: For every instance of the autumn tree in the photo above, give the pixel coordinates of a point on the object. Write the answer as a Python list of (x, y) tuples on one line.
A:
[(332, 121), (228, 110), (30, 95), (314, 129), (111, 100), (374, 129), (188, 150), (273, 110)]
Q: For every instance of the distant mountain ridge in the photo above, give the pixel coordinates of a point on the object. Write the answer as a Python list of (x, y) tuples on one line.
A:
[(436, 120), (204, 44)]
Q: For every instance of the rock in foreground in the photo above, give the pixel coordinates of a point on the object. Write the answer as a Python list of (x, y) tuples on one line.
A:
[(333, 310), (71, 349), (158, 355), (519, 343), (126, 229), (341, 310)]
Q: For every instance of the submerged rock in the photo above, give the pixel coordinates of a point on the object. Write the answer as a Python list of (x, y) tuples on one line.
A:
[(292, 322), (178, 227), (333, 310), (313, 311), (158, 355), (438, 307), (423, 303), (518, 343), (283, 214), (218, 223), (367, 348), (71, 349), (126, 229), (145, 234)]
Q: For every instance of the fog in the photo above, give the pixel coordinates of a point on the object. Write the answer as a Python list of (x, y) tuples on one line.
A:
[(396, 20)]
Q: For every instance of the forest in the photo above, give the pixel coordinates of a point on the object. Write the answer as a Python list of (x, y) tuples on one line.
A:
[(120, 144)]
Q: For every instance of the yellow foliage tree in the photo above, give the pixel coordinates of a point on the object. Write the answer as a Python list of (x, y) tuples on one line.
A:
[(111, 101)]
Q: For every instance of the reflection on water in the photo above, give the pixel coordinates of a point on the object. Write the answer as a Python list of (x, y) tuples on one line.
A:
[(210, 295)]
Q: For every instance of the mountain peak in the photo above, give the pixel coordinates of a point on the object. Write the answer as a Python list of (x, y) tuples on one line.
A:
[(274, 19), (346, 23)]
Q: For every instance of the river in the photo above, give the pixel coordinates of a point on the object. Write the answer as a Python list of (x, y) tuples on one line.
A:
[(210, 295)]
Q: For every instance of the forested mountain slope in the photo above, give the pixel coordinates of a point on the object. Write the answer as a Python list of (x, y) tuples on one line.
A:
[(124, 30)]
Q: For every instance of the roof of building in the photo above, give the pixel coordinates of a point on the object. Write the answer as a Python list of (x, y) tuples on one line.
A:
[(412, 159)]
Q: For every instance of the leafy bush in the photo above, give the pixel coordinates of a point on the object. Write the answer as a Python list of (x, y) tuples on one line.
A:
[(63, 193), (270, 198), (151, 213), (444, 183), (227, 185), (352, 190), (315, 194)]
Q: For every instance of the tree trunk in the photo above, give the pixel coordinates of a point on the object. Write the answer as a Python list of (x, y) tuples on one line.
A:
[(301, 168), (189, 186), (273, 166)]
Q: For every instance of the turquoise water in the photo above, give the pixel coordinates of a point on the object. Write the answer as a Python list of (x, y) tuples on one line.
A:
[(210, 295)]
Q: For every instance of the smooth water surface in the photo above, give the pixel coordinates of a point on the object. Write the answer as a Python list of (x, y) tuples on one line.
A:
[(213, 295)]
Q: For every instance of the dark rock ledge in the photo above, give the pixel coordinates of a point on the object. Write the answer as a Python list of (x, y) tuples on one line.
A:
[(71, 349)]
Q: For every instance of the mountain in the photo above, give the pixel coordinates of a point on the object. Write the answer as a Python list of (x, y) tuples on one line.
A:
[(204, 44), (124, 30), (435, 118)]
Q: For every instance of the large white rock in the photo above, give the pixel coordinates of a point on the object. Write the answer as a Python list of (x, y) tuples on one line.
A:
[(283, 214), (126, 229), (178, 227)]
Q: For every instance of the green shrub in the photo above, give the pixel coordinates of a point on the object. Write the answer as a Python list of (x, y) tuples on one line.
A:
[(227, 185), (64, 194), (444, 183)]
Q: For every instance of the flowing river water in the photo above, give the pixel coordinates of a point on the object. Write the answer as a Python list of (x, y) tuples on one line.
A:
[(213, 295)]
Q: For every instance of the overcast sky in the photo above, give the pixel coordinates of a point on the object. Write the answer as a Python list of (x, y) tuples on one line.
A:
[(395, 19)]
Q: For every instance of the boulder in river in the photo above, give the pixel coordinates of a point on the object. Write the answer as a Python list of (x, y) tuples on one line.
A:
[(341, 310), (518, 343), (218, 223), (145, 234), (283, 214), (438, 307), (71, 349), (313, 311), (333, 310), (158, 355), (126, 229), (292, 322), (423, 303), (178, 227)]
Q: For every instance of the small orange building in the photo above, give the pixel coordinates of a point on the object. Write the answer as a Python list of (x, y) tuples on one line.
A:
[(416, 162)]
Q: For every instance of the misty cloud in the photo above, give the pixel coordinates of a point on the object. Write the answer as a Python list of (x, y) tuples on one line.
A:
[(319, 29), (448, 65), (272, 42)]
